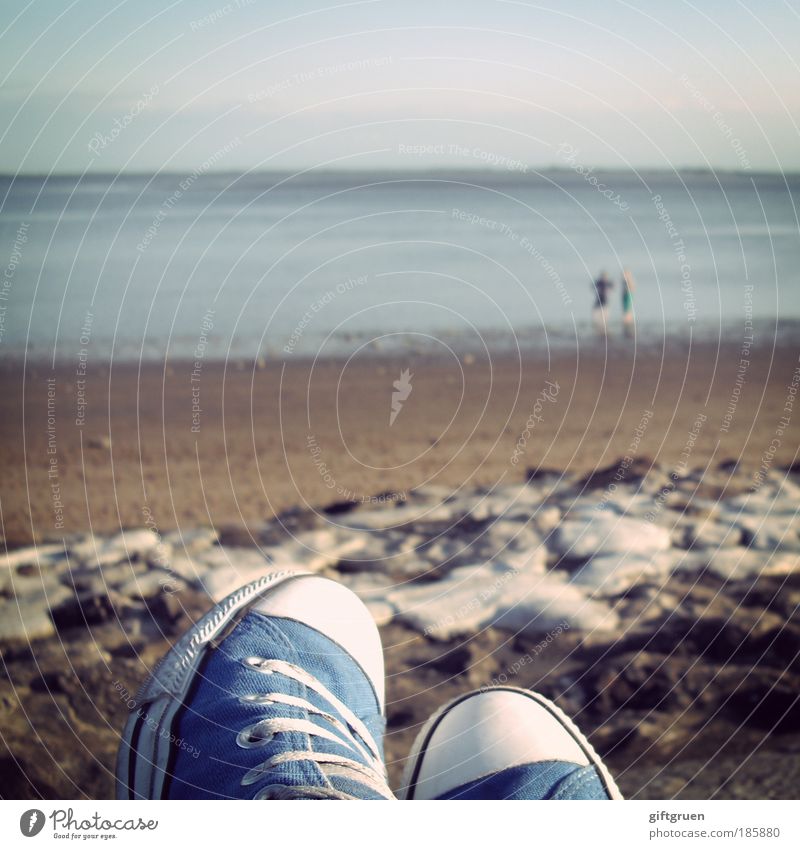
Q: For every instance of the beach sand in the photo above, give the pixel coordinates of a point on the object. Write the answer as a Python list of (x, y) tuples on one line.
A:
[(693, 705), (261, 441)]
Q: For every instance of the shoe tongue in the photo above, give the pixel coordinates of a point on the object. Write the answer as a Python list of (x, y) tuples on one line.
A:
[(335, 612)]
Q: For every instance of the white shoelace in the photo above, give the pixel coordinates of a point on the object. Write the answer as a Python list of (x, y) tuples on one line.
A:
[(371, 774)]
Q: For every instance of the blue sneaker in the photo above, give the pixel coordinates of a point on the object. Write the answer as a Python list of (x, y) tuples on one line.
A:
[(504, 743), (276, 693)]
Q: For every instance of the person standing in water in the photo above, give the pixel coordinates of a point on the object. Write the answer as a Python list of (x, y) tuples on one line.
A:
[(602, 286), (628, 287)]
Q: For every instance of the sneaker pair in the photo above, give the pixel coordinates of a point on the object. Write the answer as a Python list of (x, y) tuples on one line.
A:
[(278, 693)]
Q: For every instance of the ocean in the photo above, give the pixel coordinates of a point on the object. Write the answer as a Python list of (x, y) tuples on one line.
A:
[(273, 266)]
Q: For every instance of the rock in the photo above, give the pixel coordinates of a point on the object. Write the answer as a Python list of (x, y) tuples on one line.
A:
[(604, 534)]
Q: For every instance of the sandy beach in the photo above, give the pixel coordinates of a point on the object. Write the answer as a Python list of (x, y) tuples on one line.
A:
[(229, 445), (615, 528)]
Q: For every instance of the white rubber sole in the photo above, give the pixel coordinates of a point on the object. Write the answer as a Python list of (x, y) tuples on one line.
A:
[(423, 738)]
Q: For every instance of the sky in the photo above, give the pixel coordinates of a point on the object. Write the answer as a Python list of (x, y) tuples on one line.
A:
[(150, 85)]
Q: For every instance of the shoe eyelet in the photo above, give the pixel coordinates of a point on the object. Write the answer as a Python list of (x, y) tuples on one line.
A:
[(271, 791), (251, 738), (255, 699)]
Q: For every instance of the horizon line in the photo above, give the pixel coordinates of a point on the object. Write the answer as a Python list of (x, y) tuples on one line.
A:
[(530, 170)]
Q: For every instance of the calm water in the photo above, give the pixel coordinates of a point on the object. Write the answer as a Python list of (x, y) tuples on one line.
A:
[(273, 266)]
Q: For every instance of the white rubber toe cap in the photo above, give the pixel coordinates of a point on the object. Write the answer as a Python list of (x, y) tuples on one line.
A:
[(333, 610), (484, 732)]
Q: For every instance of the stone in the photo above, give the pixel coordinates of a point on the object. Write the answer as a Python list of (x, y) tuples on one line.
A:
[(604, 534)]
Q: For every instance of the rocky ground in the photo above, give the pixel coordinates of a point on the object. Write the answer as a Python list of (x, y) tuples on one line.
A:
[(659, 610)]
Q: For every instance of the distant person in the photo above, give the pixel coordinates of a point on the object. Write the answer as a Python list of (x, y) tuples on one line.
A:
[(628, 288), (602, 286)]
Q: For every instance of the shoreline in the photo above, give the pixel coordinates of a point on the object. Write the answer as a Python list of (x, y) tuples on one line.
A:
[(532, 341)]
